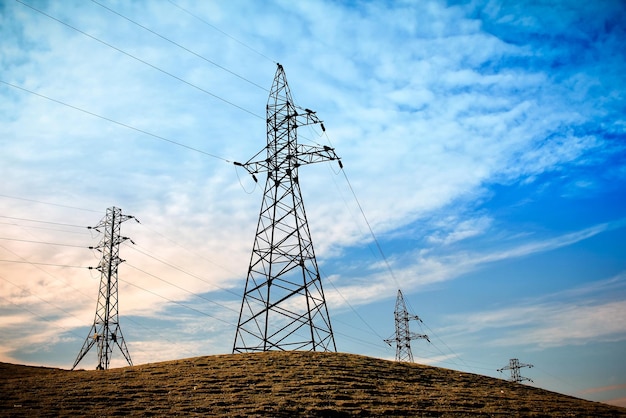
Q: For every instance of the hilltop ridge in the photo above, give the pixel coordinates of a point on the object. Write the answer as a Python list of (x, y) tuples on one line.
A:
[(279, 384)]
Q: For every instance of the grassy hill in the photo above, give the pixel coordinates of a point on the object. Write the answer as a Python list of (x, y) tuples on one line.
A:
[(279, 384)]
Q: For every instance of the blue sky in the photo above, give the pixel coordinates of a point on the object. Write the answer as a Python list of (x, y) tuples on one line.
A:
[(484, 142)]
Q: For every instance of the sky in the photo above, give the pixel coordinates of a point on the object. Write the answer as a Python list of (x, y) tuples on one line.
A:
[(483, 151)]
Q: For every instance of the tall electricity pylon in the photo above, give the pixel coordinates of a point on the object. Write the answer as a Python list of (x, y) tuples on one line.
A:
[(403, 336), (514, 366), (283, 306), (105, 331)]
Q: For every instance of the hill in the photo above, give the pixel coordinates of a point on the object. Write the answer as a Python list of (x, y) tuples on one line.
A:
[(279, 384)]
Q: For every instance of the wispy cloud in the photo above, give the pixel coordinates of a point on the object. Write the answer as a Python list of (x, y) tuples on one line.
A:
[(576, 316), (603, 389), (418, 269)]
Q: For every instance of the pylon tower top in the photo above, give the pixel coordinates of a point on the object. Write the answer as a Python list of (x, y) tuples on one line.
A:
[(515, 366), (283, 306), (105, 332), (403, 335)]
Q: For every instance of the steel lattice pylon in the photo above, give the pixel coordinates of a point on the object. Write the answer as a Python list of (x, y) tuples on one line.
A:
[(283, 306), (515, 366), (403, 335), (105, 331)]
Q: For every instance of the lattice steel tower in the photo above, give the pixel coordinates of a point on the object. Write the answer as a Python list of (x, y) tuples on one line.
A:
[(515, 366), (283, 306), (105, 331), (403, 335)]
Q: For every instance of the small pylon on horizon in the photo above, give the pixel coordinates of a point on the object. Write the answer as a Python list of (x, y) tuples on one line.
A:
[(515, 366), (403, 335)]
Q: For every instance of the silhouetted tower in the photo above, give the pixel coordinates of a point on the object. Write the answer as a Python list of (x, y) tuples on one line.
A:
[(514, 366), (105, 331), (283, 306), (403, 335)]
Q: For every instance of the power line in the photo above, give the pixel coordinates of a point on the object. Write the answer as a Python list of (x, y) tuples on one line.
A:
[(48, 273), (43, 264), (141, 60), (188, 250), (360, 340), (182, 288), (37, 315), (369, 226), (43, 222), (222, 32), (39, 297), (42, 242), (41, 227), (354, 310), (39, 201), (173, 301), (181, 46), (183, 271), (115, 122)]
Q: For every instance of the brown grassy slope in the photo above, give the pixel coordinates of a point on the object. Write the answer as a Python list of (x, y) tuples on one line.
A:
[(279, 384)]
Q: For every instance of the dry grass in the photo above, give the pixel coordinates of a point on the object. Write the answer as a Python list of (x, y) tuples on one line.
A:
[(279, 384)]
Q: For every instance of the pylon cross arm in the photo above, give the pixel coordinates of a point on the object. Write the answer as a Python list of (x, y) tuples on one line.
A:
[(415, 336), (391, 340), (305, 154), (309, 154)]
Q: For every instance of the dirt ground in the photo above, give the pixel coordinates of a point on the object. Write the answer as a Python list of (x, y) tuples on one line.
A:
[(279, 384)]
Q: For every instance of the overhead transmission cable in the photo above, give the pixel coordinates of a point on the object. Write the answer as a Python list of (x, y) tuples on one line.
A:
[(50, 274), (43, 222), (194, 253), (40, 298), (354, 310), (41, 227), (171, 300), (115, 122), (20, 225), (222, 32), (181, 46), (39, 201), (42, 242), (35, 263), (141, 60), (182, 288), (180, 269), (38, 316)]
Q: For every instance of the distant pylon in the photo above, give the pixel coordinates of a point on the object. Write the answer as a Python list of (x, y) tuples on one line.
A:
[(403, 336), (514, 366), (105, 331), (283, 306)]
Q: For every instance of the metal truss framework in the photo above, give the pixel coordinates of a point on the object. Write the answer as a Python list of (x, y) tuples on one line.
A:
[(403, 335), (283, 306), (105, 332), (515, 366)]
